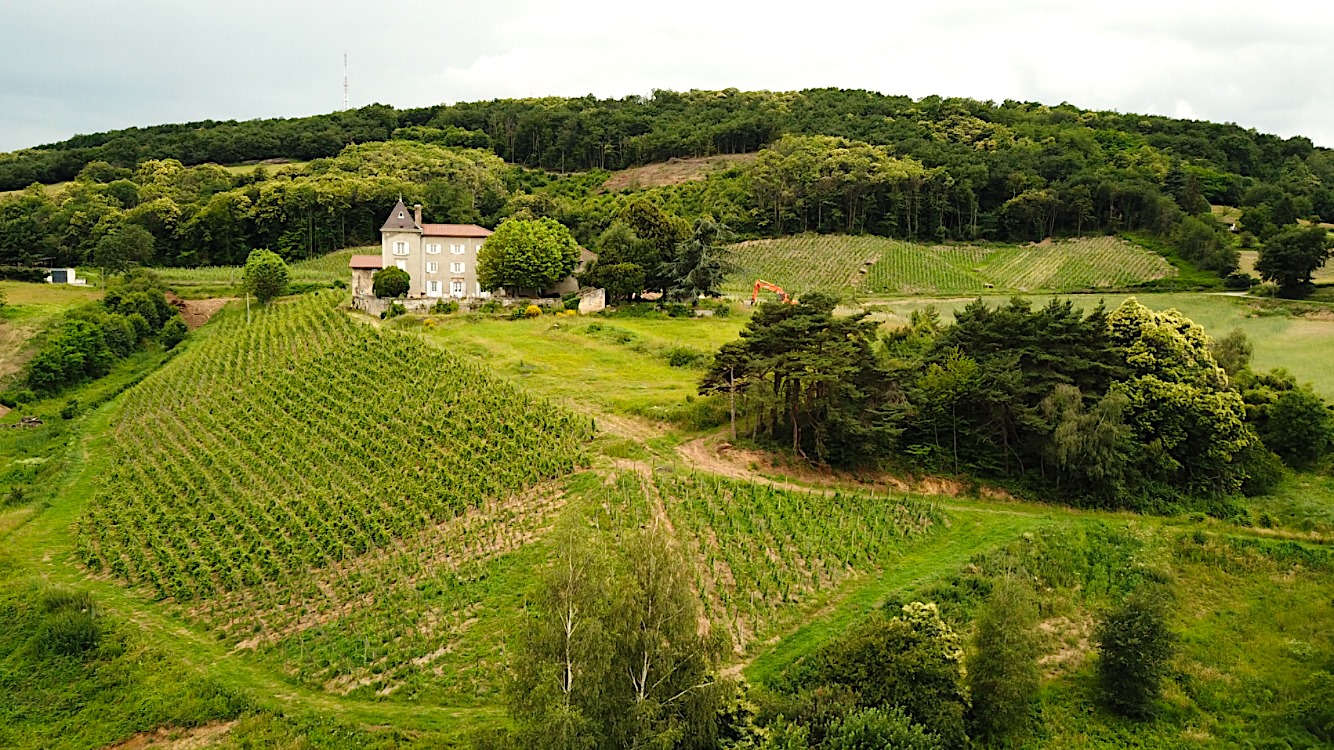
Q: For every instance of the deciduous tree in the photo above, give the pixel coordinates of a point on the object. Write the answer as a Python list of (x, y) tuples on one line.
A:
[(265, 276), (527, 255)]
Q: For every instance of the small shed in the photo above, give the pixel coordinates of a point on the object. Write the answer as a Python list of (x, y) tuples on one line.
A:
[(363, 272), (64, 276)]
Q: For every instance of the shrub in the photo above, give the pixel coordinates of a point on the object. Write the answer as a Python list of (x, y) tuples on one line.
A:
[(1135, 648), (69, 625), (491, 306), (395, 310), (173, 332), (532, 311), (1315, 711), (1003, 675), (913, 661), (445, 307), (390, 282), (879, 729), (23, 273), (684, 356), (70, 409), (1239, 280)]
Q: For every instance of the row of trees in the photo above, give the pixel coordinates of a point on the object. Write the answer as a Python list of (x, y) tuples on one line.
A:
[(1128, 408)]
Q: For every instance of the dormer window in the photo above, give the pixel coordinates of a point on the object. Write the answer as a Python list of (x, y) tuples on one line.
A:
[(400, 214)]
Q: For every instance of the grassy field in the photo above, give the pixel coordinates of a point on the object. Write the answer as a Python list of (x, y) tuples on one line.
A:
[(880, 266), (224, 281), (612, 365)]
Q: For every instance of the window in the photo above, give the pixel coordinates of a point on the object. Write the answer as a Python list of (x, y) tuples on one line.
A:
[(400, 248), (456, 288), (433, 288), (456, 268), (433, 249), (432, 267), (402, 265), (458, 249), (400, 214)]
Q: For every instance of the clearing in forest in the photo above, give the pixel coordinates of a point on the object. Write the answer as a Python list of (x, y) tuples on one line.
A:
[(336, 497), (878, 265)]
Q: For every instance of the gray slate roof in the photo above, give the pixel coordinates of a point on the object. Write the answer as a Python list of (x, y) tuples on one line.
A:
[(400, 220)]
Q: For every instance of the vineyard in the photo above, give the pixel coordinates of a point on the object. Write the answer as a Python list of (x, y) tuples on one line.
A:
[(323, 270), (762, 554), (338, 498), (877, 265)]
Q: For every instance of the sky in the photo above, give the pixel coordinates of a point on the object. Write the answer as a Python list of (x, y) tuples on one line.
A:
[(84, 66)]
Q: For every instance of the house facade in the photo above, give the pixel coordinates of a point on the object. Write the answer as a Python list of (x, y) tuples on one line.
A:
[(441, 259)]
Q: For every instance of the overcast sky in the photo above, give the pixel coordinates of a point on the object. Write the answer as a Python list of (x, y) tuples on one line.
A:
[(71, 66)]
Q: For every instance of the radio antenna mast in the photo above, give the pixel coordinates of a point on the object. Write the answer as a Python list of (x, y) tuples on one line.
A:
[(344, 80)]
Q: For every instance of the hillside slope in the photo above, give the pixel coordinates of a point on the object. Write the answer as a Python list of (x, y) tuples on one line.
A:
[(325, 493)]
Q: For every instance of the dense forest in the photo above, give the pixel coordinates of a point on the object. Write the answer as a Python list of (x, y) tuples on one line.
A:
[(827, 160)]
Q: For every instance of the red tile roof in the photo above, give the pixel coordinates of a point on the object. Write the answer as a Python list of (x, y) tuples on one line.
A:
[(365, 261), (454, 230)]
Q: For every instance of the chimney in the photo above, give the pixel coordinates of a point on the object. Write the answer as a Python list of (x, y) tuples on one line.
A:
[(417, 213)]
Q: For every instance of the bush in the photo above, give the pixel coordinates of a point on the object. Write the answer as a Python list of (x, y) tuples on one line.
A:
[(879, 729), (395, 310), (23, 273), (684, 356), (1315, 711), (445, 307), (532, 311), (1135, 649), (69, 625), (390, 282), (70, 409), (1264, 471), (491, 307), (913, 661), (173, 332), (1003, 668), (1239, 280)]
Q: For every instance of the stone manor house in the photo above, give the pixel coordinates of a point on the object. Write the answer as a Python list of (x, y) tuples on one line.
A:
[(441, 261)]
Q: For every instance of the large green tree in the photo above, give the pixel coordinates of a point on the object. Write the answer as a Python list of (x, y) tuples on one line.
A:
[(527, 255), (1290, 257), (700, 263), (266, 275), (122, 248)]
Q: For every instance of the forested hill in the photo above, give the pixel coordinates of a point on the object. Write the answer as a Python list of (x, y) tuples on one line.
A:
[(830, 161)]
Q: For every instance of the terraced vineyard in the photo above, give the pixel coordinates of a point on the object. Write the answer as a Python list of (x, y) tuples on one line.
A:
[(840, 264), (336, 497), (762, 554), (322, 270)]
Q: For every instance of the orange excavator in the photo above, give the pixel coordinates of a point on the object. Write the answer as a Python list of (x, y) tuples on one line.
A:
[(762, 284)]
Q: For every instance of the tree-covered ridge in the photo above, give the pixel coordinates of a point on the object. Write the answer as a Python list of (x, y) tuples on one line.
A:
[(936, 170)]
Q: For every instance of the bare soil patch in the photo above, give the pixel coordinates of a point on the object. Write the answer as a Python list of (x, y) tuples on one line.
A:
[(197, 312), (673, 172), (176, 738)]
